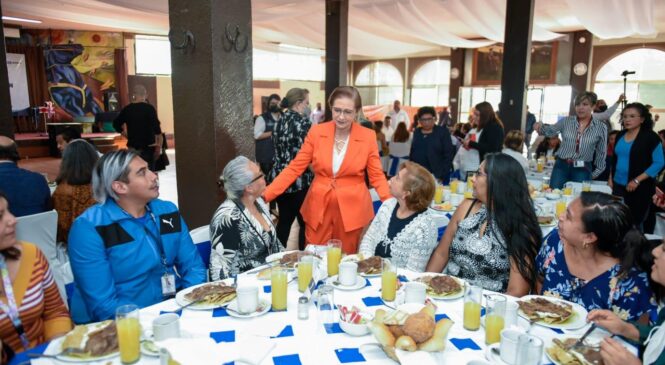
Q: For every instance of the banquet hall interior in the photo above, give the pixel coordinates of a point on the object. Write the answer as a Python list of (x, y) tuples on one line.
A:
[(209, 69)]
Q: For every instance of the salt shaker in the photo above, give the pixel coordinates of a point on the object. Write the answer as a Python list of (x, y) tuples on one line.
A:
[(303, 308)]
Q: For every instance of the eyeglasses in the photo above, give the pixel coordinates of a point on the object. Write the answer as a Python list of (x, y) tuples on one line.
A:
[(347, 112), (430, 119), (479, 173), (220, 182)]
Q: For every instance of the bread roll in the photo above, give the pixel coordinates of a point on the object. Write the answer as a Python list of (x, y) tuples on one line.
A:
[(382, 334), (406, 343), (438, 340)]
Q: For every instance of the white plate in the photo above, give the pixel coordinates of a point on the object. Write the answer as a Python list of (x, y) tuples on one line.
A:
[(359, 257), (578, 319), (264, 305), (55, 347), (182, 301), (360, 283), (458, 295), (492, 357), (277, 256), (148, 352)]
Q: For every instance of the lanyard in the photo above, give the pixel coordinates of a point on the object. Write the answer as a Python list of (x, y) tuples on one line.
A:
[(10, 308), (158, 240), (579, 137)]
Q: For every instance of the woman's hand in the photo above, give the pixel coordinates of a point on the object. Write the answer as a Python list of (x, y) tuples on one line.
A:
[(631, 186), (612, 323), (613, 353), (536, 127), (658, 200)]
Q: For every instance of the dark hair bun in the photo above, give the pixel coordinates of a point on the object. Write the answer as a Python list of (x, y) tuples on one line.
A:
[(284, 103)]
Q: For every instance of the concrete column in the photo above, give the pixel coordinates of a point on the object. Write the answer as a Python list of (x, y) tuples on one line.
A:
[(337, 25), (6, 120)]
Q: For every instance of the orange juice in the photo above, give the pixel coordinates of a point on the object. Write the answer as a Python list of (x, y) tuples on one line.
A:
[(471, 316), (388, 285), (539, 166), (493, 327), (438, 194), (586, 188), (568, 191), (468, 194), (334, 257), (278, 282), (560, 207), (129, 339), (469, 184), (453, 186), (304, 275)]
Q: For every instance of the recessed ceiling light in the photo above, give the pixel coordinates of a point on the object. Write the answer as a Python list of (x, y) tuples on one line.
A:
[(11, 18)]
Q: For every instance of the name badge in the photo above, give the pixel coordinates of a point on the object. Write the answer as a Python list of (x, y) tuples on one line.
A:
[(579, 163), (168, 285)]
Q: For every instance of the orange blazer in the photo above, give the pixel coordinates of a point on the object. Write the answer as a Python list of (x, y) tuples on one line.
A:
[(353, 196)]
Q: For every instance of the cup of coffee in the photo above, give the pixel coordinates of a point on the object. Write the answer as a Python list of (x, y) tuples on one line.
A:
[(166, 326), (415, 292), (248, 299), (508, 345), (348, 272)]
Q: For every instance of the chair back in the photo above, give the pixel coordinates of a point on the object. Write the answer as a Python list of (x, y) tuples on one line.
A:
[(201, 238)]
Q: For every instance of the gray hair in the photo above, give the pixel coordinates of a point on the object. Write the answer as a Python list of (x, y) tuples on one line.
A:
[(140, 91), (113, 166), (236, 176)]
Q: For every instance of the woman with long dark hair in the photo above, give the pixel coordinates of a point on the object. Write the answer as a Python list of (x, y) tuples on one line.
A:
[(638, 158), (492, 240), (594, 258), (399, 148), (489, 130)]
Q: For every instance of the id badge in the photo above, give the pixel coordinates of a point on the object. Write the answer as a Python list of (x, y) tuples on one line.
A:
[(579, 163), (168, 285)]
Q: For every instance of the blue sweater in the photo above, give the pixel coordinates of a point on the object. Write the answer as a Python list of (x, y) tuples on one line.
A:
[(115, 261), (27, 192)]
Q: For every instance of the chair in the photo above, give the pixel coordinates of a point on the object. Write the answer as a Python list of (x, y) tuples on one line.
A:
[(41, 229), (442, 221), (201, 238)]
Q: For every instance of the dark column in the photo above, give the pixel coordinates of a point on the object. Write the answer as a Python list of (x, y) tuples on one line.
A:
[(456, 80), (579, 65), (6, 121), (337, 25), (211, 59), (516, 58)]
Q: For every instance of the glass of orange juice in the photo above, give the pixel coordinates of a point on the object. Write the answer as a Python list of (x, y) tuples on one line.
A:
[(305, 270), (129, 333), (586, 185), (438, 194), (568, 189), (388, 281), (278, 283), (334, 256), (560, 207), (495, 305), (454, 184), (472, 306)]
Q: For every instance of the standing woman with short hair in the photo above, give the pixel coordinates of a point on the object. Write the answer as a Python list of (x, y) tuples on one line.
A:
[(341, 153), (638, 158), (288, 137)]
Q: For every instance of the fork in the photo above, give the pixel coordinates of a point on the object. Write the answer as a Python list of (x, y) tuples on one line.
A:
[(580, 341), (66, 352)]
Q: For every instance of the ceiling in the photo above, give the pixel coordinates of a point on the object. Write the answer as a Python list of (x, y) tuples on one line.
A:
[(378, 28)]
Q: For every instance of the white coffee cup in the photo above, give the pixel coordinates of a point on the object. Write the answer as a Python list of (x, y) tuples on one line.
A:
[(415, 292), (166, 326), (508, 345), (456, 199), (461, 187), (348, 272), (247, 298), (510, 317)]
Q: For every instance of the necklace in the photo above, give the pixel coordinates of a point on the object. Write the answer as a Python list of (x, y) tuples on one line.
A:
[(339, 144)]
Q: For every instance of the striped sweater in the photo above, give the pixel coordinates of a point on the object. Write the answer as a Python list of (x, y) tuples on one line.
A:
[(42, 311)]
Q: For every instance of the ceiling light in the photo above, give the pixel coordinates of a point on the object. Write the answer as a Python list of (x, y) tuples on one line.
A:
[(11, 18)]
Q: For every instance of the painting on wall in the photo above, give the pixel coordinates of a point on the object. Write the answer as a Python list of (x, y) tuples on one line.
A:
[(488, 64)]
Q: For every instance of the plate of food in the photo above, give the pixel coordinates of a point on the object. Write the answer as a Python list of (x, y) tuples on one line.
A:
[(288, 258), (563, 352), (441, 286), (367, 267), (89, 342), (443, 207), (552, 312), (206, 295), (547, 221)]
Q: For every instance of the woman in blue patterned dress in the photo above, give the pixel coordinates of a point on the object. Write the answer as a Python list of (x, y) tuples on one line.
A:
[(593, 259)]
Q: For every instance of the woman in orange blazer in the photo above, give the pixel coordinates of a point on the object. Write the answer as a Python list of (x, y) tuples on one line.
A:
[(338, 204)]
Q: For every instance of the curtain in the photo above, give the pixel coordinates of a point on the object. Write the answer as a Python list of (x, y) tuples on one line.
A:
[(120, 61), (37, 84)]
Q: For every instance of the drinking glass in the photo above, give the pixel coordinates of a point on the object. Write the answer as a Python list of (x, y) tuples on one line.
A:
[(546, 183), (129, 333), (305, 270), (454, 183), (472, 300), (560, 207), (529, 350), (388, 280), (334, 256), (469, 182), (586, 185), (568, 189), (495, 307), (325, 305), (539, 165), (438, 194), (278, 282)]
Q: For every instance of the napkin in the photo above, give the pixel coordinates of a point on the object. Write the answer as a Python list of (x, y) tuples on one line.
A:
[(415, 357), (204, 351)]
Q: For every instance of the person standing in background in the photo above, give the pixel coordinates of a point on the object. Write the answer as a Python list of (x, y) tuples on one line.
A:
[(528, 129), (263, 127), (432, 147), (398, 115), (317, 115)]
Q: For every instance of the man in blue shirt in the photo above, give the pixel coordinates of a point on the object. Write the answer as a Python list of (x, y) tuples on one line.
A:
[(131, 247), (27, 192)]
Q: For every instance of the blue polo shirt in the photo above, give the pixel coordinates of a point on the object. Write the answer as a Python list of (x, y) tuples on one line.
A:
[(27, 192)]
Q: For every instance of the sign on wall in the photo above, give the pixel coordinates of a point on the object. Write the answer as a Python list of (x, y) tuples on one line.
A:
[(18, 81)]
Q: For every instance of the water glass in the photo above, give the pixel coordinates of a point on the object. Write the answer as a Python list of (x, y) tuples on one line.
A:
[(495, 307), (546, 183), (510, 318), (325, 305), (334, 256), (529, 350), (388, 281), (472, 307), (129, 333)]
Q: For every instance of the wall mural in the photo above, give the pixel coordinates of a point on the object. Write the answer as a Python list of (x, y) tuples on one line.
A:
[(80, 69)]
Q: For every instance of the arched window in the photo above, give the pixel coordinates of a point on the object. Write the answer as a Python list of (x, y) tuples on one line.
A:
[(379, 83), (430, 84), (647, 85)]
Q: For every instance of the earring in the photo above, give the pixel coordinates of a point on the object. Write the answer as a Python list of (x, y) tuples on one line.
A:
[(585, 245)]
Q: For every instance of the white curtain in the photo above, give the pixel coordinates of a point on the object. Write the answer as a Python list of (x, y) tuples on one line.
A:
[(608, 19)]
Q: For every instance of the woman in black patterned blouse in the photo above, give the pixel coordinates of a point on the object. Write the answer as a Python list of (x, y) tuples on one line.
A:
[(288, 136)]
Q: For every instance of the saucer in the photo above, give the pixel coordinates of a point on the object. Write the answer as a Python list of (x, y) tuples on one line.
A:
[(493, 357), (360, 283), (264, 307)]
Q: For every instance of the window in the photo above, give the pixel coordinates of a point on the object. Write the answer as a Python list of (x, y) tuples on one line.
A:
[(153, 55), (430, 84), (288, 63), (379, 83)]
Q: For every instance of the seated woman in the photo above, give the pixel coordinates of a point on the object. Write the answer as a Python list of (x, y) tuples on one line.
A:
[(650, 337), (42, 316), (513, 145), (592, 258), (241, 231), (404, 228), (74, 192), (492, 240), (548, 147)]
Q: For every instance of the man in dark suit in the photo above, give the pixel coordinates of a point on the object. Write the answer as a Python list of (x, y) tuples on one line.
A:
[(432, 146)]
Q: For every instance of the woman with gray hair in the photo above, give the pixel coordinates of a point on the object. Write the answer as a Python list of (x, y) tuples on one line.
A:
[(241, 231)]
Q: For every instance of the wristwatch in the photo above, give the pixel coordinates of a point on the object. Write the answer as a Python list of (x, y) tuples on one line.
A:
[(636, 181)]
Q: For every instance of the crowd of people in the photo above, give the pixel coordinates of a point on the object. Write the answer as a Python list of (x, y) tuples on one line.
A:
[(125, 245)]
